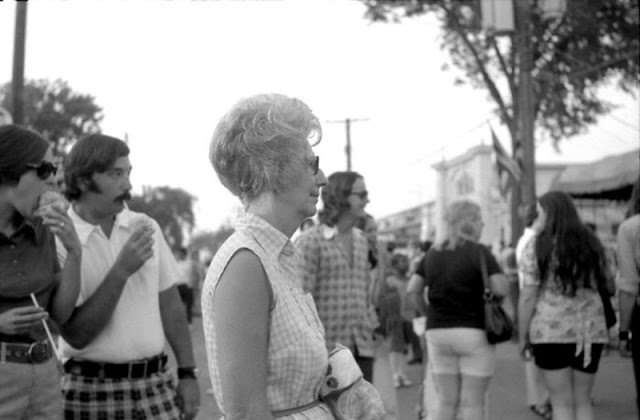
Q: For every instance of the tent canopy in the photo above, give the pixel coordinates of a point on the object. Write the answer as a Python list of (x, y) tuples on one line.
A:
[(609, 178)]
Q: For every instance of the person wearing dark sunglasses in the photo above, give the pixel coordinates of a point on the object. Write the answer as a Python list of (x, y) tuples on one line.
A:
[(43, 169), (336, 267), (30, 274)]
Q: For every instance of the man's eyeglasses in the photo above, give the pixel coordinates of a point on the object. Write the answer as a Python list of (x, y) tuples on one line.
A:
[(43, 169), (315, 165), (362, 194)]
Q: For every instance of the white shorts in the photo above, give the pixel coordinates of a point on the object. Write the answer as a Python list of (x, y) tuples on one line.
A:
[(461, 351)]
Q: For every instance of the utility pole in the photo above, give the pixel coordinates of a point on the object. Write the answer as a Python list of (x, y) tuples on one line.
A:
[(17, 81), (525, 152), (347, 123)]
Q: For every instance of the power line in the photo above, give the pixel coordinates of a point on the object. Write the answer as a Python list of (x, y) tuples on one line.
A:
[(615, 136), (623, 122), (428, 155)]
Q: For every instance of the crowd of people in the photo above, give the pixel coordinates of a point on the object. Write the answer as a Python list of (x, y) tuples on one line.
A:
[(294, 312)]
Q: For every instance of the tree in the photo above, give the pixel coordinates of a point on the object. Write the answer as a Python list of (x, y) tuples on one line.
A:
[(54, 110), (172, 208), (210, 241), (593, 43)]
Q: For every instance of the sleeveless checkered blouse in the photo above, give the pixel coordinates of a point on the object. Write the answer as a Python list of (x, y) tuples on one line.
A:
[(297, 356)]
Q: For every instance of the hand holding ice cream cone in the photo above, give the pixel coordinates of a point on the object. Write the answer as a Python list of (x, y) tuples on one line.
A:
[(49, 199), (138, 248)]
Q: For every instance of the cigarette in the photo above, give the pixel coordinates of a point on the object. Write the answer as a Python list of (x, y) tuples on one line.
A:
[(46, 328)]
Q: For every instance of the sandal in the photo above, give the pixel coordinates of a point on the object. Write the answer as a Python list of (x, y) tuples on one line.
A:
[(543, 411)]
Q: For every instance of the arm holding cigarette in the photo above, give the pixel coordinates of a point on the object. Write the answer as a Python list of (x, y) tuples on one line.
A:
[(18, 321)]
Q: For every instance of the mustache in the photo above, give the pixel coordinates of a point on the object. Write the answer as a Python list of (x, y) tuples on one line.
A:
[(123, 197)]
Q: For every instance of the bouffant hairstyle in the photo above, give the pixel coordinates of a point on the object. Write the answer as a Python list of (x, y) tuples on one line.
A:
[(95, 153), (260, 143), (335, 196), (18, 148)]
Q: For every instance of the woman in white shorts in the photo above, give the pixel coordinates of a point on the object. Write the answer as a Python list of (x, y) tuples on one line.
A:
[(461, 359)]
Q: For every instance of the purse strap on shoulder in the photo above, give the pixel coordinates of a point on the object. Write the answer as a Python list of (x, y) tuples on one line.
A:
[(488, 293)]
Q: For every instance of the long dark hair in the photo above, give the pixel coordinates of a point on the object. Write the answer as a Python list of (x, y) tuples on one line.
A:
[(335, 196), (567, 249)]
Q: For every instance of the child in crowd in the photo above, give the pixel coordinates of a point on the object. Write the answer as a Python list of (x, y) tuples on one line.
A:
[(396, 316)]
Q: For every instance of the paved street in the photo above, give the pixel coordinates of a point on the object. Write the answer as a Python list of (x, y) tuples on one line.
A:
[(613, 393)]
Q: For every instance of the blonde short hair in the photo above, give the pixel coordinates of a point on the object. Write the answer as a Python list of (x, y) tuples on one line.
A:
[(458, 217), (259, 143)]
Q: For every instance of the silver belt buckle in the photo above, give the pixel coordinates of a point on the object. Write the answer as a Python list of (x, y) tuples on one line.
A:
[(38, 352)]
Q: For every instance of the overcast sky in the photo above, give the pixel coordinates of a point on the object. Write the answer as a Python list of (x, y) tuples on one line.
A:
[(165, 71)]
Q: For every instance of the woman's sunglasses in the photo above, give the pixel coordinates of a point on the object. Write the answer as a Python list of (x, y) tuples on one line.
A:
[(362, 194), (43, 169), (315, 165)]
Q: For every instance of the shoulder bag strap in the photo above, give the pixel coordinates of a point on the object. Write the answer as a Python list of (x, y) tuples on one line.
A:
[(485, 275)]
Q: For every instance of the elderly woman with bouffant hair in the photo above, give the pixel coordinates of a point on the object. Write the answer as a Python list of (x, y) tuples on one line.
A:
[(461, 358), (265, 342)]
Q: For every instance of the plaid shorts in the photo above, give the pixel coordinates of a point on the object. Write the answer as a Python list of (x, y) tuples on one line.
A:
[(88, 398)]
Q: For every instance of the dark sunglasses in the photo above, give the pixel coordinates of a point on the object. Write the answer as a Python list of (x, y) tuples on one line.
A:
[(315, 165), (43, 169), (362, 194)]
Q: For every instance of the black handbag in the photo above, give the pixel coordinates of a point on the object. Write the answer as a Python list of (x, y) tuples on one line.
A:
[(497, 323)]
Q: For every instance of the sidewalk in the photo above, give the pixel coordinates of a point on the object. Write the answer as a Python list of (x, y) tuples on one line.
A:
[(613, 394), (614, 391)]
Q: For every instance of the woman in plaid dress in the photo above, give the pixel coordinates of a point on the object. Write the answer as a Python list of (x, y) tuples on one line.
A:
[(265, 343)]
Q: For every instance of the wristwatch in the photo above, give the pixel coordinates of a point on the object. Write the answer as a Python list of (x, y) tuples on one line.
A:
[(624, 335), (187, 373)]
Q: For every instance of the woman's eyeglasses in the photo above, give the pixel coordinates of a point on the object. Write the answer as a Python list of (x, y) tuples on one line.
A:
[(362, 194), (43, 169), (315, 165)]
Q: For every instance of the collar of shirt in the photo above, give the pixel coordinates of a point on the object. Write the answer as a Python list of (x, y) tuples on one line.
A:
[(271, 239), (328, 232), (125, 219), (31, 228)]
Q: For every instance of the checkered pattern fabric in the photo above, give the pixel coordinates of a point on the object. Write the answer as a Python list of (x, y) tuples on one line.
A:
[(340, 290), (297, 356), (120, 399)]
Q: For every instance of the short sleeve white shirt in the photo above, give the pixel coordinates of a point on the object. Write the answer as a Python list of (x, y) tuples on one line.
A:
[(135, 329)]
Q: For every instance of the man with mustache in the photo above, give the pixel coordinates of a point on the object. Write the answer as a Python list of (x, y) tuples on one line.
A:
[(113, 346)]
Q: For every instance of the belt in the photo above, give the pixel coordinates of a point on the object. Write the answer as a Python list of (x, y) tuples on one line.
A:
[(290, 411), (133, 370), (36, 352)]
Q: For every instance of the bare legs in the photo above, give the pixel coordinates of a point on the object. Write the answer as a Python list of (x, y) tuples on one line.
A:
[(397, 361), (570, 392), (461, 391)]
